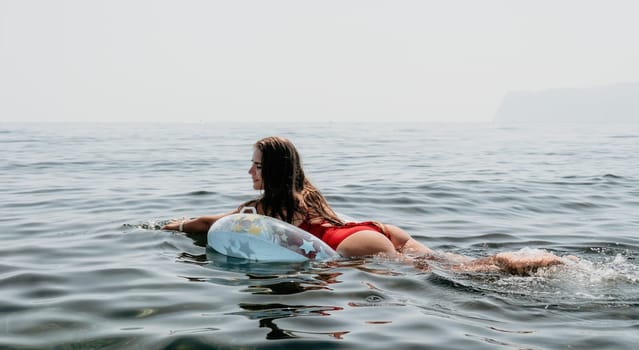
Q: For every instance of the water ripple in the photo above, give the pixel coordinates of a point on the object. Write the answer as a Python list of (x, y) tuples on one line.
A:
[(85, 265)]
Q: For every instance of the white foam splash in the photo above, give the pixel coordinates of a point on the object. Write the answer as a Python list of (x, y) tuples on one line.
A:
[(611, 280), (617, 269)]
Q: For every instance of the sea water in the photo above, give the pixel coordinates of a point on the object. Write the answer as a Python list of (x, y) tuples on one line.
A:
[(84, 265)]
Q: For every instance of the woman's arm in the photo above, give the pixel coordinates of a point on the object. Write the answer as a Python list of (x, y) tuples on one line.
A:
[(199, 225)]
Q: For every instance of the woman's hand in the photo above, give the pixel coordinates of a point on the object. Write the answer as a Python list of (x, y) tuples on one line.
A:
[(199, 225), (175, 225)]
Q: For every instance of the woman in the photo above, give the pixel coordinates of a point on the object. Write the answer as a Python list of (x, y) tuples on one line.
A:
[(288, 195)]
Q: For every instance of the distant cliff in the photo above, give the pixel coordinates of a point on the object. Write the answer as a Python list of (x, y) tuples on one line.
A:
[(612, 103)]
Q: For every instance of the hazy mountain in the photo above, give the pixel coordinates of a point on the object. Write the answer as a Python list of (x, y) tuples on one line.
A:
[(610, 103)]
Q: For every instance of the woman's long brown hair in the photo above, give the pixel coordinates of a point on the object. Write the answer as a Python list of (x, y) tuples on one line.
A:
[(287, 191)]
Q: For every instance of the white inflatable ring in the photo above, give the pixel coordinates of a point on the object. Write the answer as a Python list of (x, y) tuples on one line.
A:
[(262, 238)]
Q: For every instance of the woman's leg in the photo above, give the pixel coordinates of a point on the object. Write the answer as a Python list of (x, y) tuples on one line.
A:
[(513, 262), (404, 243), (370, 242)]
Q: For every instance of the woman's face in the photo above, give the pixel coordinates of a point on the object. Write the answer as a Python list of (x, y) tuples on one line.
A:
[(256, 170)]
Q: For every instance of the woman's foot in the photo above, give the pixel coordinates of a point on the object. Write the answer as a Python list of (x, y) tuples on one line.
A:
[(522, 262), (525, 261)]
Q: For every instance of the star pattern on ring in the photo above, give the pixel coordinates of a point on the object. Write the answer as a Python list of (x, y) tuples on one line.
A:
[(307, 247)]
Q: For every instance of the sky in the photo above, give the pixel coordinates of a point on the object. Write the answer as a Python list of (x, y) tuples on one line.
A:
[(288, 60)]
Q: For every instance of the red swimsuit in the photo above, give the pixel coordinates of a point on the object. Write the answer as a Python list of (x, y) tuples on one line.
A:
[(334, 235)]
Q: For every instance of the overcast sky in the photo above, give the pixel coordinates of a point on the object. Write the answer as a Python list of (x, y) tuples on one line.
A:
[(160, 60)]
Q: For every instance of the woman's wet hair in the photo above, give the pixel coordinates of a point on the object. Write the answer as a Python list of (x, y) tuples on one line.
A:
[(287, 191)]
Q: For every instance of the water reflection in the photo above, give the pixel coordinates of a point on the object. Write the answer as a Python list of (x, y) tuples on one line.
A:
[(284, 287), (199, 259), (264, 278), (268, 313)]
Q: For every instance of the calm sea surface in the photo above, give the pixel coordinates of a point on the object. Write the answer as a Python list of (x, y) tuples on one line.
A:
[(83, 264)]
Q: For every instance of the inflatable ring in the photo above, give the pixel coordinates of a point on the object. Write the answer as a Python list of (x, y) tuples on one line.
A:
[(262, 238)]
